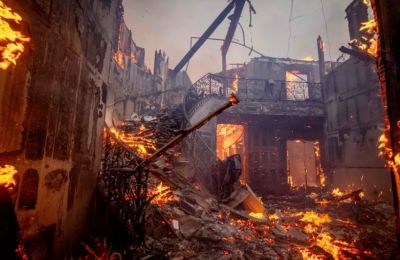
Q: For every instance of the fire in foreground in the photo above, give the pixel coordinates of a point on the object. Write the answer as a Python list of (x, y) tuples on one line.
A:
[(12, 42)]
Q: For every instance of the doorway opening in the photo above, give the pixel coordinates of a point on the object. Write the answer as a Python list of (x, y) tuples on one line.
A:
[(304, 164), (230, 141)]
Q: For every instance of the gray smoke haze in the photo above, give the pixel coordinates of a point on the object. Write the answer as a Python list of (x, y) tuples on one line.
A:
[(169, 24)]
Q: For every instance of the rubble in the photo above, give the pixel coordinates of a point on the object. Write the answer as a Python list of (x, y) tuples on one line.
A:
[(297, 232), (184, 221)]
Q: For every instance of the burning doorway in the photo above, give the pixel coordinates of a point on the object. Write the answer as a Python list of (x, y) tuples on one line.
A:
[(303, 164), (230, 141)]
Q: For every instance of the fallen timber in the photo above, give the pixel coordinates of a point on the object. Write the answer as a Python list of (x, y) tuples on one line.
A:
[(123, 185), (233, 100)]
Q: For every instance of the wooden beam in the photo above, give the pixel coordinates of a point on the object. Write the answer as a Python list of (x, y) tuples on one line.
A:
[(387, 15)]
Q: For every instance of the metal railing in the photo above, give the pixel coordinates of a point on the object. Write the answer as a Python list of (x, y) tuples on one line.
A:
[(251, 90)]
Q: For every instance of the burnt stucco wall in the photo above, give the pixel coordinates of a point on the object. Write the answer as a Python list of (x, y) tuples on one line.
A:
[(354, 124), (51, 113)]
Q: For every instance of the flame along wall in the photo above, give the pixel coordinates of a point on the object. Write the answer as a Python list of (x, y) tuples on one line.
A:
[(355, 117), (355, 122), (51, 111)]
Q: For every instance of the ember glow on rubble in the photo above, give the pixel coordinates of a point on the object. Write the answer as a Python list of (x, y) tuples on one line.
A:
[(13, 42), (336, 192), (92, 135), (258, 215), (140, 141), (315, 218), (162, 195), (7, 176)]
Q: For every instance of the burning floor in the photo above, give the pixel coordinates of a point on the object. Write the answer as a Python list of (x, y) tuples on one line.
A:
[(291, 228), (188, 223)]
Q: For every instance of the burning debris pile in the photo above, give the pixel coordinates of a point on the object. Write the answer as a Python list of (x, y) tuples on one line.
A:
[(180, 218), (184, 221), (291, 228), (146, 134)]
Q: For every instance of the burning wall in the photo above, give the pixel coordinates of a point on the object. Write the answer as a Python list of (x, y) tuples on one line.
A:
[(355, 116), (51, 116)]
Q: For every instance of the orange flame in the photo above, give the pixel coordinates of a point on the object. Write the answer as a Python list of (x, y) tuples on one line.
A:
[(162, 195), (142, 143), (386, 151), (235, 84), (315, 218), (7, 176), (370, 45), (336, 192), (119, 58), (257, 215), (11, 41)]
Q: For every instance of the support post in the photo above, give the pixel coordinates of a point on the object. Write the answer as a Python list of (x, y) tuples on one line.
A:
[(203, 38)]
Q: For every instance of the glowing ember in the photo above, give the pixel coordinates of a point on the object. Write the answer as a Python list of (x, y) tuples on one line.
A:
[(308, 255), (320, 171), (235, 84), (133, 59), (315, 218), (290, 180), (308, 58), (243, 224), (334, 246), (384, 145), (273, 217), (140, 141), (257, 215), (119, 58), (11, 41), (336, 192), (162, 195), (7, 176), (233, 99)]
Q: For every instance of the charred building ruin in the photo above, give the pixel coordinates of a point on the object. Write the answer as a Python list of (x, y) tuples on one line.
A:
[(301, 125), (80, 69), (281, 112)]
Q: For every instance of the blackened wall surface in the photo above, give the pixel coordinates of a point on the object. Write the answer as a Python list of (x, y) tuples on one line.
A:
[(354, 124), (271, 120), (51, 120)]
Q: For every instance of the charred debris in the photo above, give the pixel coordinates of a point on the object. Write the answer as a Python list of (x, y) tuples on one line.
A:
[(102, 157), (221, 217)]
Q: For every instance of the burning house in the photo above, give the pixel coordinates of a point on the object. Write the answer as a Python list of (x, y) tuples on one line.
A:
[(281, 117), (102, 157)]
